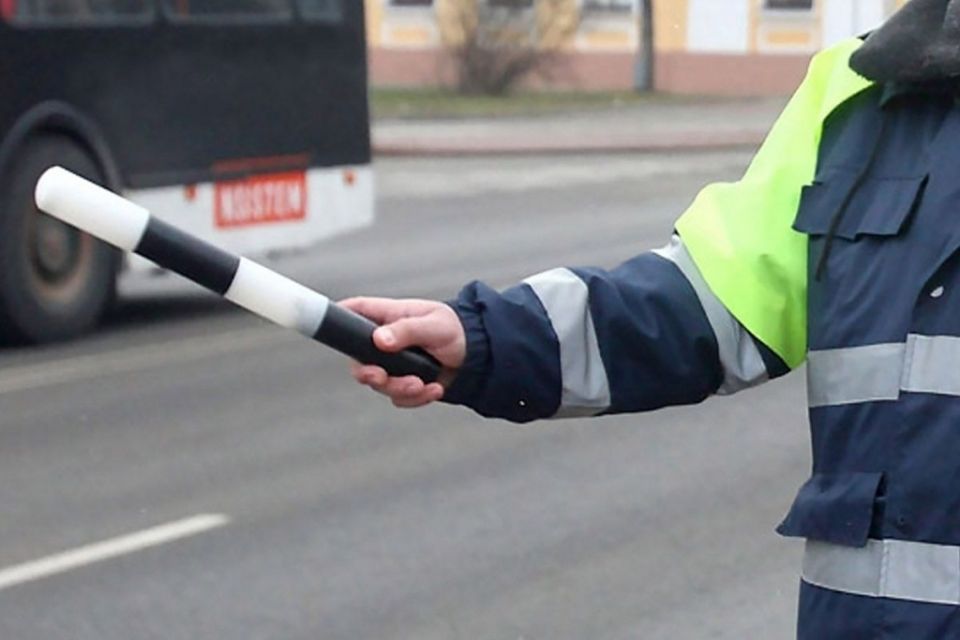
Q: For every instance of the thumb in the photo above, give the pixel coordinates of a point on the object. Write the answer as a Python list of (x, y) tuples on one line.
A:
[(437, 331), (420, 331)]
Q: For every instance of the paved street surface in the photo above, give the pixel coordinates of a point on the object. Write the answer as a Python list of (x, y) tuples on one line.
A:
[(294, 505)]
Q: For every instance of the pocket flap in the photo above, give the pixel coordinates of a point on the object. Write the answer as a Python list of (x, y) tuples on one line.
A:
[(880, 206), (834, 507)]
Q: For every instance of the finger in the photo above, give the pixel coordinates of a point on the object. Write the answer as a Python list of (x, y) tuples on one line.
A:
[(357, 369), (429, 395), (403, 392), (411, 404), (376, 309), (427, 331), (403, 387), (370, 375), (386, 310)]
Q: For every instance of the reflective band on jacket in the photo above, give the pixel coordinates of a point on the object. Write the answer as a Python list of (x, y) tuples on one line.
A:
[(915, 571), (932, 365), (742, 364), (566, 299), (924, 364), (857, 374)]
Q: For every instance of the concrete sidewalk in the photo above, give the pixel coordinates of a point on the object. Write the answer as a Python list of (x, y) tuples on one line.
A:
[(667, 124)]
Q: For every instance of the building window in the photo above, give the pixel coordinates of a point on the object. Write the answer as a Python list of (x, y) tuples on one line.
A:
[(511, 4), (79, 12), (229, 10), (789, 5), (608, 6), (322, 10)]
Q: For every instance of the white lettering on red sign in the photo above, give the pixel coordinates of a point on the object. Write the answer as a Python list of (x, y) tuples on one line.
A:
[(279, 197)]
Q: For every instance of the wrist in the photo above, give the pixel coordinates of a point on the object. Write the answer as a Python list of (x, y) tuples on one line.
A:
[(467, 381)]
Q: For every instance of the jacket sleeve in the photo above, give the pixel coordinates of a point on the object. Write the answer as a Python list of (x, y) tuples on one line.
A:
[(584, 342)]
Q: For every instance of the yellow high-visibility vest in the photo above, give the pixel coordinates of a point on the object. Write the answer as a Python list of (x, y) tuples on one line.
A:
[(740, 234)]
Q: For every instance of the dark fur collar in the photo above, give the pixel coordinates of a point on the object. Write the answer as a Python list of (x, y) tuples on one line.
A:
[(920, 44)]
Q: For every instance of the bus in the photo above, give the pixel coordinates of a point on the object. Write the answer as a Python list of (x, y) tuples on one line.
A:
[(244, 122)]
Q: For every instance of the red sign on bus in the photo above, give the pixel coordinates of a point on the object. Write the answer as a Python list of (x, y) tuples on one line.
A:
[(267, 199)]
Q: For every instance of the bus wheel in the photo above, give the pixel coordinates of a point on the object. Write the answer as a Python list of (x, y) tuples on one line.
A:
[(55, 282)]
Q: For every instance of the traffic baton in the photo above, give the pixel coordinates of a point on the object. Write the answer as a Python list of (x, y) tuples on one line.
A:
[(128, 226)]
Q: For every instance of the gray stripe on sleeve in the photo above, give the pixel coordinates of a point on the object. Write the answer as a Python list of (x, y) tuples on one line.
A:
[(742, 363), (586, 391)]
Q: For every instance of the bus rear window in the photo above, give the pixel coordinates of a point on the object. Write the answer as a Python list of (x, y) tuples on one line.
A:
[(322, 10), (77, 12), (230, 10)]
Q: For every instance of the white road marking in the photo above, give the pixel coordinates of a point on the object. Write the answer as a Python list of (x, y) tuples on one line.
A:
[(47, 374), (100, 551)]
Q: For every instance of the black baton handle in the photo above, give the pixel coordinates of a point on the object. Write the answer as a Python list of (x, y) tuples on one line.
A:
[(352, 334)]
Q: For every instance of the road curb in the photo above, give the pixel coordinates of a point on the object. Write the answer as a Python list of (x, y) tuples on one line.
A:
[(490, 147)]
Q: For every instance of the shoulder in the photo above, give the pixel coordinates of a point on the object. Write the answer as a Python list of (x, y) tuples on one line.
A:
[(830, 81)]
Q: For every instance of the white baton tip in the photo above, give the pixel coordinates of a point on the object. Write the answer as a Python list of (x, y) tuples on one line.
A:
[(91, 208), (277, 298)]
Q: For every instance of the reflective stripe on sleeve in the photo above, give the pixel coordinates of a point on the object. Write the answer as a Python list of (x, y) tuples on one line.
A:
[(741, 361), (899, 569), (565, 297)]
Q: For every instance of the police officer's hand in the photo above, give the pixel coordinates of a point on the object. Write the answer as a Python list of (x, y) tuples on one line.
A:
[(432, 326)]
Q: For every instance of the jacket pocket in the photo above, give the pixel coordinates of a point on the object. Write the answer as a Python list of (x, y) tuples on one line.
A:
[(834, 507), (879, 207)]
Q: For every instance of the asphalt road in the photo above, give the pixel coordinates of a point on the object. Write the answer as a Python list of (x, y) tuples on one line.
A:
[(294, 505)]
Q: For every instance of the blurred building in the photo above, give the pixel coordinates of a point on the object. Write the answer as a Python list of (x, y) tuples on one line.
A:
[(731, 47)]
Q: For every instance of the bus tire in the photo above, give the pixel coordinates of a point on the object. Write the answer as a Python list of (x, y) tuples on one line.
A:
[(55, 282)]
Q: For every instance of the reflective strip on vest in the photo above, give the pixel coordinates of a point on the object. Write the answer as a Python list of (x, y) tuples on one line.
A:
[(742, 364), (740, 234), (924, 364), (566, 299), (915, 571)]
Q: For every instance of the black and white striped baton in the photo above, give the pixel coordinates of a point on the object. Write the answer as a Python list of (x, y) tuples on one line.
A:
[(130, 227)]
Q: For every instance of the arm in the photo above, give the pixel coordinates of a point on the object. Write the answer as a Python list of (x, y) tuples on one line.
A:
[(720, 311), (575, 342), (583, 342)]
